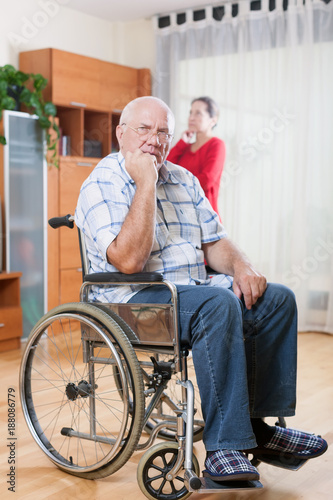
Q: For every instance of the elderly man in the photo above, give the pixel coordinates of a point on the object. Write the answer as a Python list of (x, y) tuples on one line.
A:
[(141, 213)]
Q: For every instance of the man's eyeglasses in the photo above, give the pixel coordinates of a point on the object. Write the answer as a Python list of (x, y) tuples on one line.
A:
[(144, 132)]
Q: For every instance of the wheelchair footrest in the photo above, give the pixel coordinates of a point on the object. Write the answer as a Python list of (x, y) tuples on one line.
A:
[(284, 462), (210, 486)]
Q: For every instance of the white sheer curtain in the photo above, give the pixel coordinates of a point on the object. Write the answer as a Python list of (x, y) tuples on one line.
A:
[(272, 74)]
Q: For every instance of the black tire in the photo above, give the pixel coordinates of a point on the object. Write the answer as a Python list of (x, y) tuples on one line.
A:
[(153, 468), (75, 412)]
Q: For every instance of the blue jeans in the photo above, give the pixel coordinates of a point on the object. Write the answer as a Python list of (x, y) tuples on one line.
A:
[(245, 360)]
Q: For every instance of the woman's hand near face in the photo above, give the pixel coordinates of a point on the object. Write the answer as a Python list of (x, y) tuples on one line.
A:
[(187, 136)]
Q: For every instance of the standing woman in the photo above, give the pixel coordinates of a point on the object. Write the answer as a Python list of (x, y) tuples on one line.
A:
[(204, 157)]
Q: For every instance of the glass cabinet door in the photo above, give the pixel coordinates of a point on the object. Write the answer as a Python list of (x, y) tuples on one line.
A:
[(25, 211)]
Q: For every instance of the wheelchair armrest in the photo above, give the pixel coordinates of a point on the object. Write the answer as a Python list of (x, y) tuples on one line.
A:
[(122, 277)]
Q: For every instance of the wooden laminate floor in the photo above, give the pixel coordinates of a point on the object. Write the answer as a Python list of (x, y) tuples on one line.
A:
[(37, 478)]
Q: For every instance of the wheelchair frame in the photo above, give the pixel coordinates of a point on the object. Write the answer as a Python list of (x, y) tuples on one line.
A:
[(97, 335)]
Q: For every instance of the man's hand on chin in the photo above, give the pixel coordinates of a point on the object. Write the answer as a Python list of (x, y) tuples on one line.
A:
[(142, 167)]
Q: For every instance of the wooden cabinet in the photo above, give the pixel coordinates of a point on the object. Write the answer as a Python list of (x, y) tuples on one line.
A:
[(76, 80), (10, 311), (90, 95), (72, 174)]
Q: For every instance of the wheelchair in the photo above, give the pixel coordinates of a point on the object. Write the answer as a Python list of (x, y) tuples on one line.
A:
[(101, 381)]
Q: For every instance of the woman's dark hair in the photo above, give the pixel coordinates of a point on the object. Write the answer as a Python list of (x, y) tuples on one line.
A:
[(212, 107)]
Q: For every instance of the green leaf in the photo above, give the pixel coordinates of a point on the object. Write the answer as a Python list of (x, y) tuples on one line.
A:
[(3, 140), (39, 81), (56, 129), (34, 101), (20, 78), (8, 103), (44, 122), (39, 110), (25, 96), (50, 109), (3, 86), (8, 68)]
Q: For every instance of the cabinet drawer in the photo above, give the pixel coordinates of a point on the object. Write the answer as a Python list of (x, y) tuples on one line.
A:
[(70, 284), (72, 176), (10, 322)]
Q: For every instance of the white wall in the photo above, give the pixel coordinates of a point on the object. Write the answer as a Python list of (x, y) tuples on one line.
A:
[(134, 43), (36, 24)]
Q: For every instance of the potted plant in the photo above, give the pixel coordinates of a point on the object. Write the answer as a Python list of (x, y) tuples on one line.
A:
[(17, 88)]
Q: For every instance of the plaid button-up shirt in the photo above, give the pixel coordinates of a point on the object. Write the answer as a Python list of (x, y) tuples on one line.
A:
[(185, 220)]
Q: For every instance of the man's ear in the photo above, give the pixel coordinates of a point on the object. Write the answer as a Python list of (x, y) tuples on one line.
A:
[(119, 134)]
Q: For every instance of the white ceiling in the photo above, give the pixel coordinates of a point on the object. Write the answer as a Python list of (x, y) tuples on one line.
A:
[(131, 10)]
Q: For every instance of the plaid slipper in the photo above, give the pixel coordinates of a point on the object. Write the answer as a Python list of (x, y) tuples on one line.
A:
[(226, 465), (299, 444), (293, 443)]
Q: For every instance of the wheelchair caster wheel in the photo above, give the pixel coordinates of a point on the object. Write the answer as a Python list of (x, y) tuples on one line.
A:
[(153, 469)]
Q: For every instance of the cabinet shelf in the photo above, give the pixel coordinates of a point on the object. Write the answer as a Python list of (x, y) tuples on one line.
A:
[(88, 129)]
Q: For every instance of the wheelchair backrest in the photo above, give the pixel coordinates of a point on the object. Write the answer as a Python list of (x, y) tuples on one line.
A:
[(83, 254), (152, 324)]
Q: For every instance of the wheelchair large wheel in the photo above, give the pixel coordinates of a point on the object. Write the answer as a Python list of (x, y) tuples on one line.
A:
[(70, 399), (153, 469)]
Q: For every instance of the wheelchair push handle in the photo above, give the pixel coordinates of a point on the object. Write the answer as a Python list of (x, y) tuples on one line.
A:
[(66, 220)]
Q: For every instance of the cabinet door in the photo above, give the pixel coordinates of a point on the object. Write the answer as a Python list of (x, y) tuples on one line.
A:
[(72, 176), (70, 284), (75, 80), (10, 322), (25, 210), (119, 85)]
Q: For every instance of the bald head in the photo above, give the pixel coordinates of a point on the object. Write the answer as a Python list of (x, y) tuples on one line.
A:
[(150, 114), (133, 108)]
